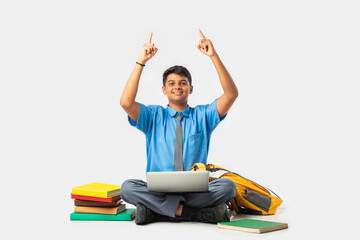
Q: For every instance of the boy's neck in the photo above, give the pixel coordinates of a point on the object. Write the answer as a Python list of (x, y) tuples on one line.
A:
[(178, 107)]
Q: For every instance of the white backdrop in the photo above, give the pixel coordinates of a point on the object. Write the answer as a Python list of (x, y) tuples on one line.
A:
[(294, 127)]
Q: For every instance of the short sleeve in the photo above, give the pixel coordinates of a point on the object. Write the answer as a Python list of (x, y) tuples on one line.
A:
[(144, 120), (212, 116)]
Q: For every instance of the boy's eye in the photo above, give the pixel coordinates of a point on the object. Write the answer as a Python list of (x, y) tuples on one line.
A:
[(171, 84), (183, 83)]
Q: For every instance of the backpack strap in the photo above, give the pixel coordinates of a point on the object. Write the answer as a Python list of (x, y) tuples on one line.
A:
[(250, 211)]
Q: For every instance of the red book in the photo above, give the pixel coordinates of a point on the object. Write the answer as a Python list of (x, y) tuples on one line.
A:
[(97, 199)]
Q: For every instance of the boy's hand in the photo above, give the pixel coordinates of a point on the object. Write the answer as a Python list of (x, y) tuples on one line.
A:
[(206, 46), (148, 51)]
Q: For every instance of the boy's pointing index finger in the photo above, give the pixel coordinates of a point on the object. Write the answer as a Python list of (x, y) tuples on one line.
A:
[(202, 35), (149, 40)]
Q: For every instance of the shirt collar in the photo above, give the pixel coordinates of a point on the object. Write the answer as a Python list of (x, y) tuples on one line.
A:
[(172, 112)]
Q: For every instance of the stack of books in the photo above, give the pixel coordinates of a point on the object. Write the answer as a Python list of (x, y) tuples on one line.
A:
[(99, 202)]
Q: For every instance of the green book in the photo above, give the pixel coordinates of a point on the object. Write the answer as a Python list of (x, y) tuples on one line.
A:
[(253, 225), (127, 215)]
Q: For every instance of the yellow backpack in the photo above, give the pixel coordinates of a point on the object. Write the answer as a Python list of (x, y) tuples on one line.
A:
[(251, 198)]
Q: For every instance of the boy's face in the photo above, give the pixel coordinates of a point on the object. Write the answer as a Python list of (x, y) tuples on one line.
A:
[(177, 88)]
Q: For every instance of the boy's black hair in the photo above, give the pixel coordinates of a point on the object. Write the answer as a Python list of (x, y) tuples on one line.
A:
[(179, 70)]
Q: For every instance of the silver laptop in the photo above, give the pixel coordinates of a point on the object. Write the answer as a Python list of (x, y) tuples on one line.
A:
[(178, 181)]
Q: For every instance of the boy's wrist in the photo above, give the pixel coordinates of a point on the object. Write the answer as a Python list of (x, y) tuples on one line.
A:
[(142, 61), (215, 55)]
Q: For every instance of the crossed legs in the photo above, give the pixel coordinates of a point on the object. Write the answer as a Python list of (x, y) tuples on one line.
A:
[(136, 192)]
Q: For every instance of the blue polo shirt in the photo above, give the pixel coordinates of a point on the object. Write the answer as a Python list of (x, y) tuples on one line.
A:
[(159, 124)]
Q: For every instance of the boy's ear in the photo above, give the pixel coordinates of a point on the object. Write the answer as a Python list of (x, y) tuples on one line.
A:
[(191, 89), (163, 89)]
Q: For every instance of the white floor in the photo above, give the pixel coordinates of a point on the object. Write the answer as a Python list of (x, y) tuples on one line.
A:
[(44, 222), (301, 226), (164, 230)]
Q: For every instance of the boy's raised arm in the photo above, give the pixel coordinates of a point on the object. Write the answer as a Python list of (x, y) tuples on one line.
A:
[(127, 100), (230, 94)]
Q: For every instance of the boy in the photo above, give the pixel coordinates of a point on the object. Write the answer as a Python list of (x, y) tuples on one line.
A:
[(177, 137)]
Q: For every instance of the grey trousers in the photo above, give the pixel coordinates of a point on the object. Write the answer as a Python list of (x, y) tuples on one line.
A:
[(135, 191)]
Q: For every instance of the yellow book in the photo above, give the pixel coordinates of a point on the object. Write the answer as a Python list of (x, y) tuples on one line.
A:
[(95, 189)]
